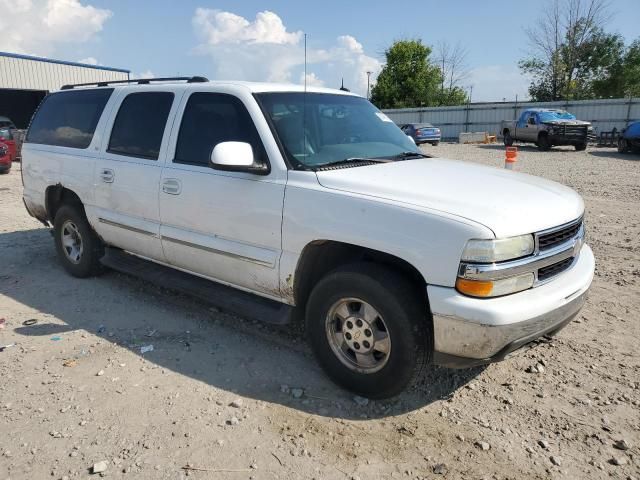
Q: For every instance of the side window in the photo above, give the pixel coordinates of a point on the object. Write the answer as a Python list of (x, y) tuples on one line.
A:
[(140, 123), (532, 119), (212, 118), (68, 119)]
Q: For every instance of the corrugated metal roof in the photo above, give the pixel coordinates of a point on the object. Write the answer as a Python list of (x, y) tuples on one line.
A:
[(25, 72), (62, 62)]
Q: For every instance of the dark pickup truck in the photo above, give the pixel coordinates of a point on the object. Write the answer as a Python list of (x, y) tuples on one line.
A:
[(548, 128)]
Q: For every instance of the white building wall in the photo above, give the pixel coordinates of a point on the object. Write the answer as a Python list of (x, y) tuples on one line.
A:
[(40, 74), (487, 117)]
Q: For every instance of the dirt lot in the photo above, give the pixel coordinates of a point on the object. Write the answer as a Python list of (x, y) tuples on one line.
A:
[(76, 390)]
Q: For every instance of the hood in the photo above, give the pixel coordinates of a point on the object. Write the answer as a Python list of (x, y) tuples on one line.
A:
[(567, 122), (507, 202)]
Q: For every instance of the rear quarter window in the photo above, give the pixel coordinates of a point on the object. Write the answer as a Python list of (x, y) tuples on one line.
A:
[(140, 123), (68, 119)]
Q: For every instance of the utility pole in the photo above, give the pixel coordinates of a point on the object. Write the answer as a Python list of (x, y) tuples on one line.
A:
[(466, 126), (368, 83)]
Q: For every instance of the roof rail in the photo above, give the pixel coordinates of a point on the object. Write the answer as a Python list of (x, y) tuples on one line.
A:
[(139, 81)]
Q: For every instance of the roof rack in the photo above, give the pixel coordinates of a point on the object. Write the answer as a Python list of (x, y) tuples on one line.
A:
[(139, 81)]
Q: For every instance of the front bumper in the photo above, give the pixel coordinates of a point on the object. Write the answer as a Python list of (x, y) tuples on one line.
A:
[(473, 331)]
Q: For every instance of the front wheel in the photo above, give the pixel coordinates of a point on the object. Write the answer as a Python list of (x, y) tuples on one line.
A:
[(622, 146), (369, 329), (544, 143), (79, 248)]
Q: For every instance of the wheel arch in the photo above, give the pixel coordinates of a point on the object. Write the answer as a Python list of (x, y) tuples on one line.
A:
[(56, 196), (320, 257)]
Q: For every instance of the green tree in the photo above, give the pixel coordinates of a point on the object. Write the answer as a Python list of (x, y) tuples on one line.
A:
[(410, 79), (623, 78), (571, 50)]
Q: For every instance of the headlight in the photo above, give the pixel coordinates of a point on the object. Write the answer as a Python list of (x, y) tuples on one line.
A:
[(495, 288), (491, 251)]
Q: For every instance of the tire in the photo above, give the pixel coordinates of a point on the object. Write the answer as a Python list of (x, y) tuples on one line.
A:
[(622, 146), (581, 147), (508, 139), (435, 144), (543, 143), (397, 309), (81, 249)]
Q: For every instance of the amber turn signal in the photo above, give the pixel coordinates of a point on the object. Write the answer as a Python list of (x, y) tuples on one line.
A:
[(475, 288)]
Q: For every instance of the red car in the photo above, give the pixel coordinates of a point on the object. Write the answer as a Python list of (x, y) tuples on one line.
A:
[(5, 158), (6, 137)]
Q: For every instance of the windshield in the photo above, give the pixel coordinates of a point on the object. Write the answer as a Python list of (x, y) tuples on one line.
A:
[(334, 128), (555, 115)]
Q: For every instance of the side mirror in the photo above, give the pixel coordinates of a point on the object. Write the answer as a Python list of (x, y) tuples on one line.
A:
[(411, 138), (235, 157)]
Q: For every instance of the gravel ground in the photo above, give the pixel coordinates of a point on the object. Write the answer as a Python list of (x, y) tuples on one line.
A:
[(239, 400)]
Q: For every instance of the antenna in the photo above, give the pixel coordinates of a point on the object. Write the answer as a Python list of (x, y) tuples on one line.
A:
[(304, 101)]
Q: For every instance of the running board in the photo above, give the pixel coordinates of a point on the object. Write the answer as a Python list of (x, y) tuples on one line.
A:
[(228, 299)]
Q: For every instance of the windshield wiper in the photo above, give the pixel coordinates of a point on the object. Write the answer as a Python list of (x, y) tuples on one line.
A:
[(407, 156), (352, 160)]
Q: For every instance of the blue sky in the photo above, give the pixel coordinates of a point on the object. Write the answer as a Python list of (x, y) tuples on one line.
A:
[(230, 39)]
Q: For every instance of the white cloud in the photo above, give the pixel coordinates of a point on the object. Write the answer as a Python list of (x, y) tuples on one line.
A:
[(264, 50), (89, 61), (145, 74), (39, 26), (312, 80), (227, 27), (495, 82)]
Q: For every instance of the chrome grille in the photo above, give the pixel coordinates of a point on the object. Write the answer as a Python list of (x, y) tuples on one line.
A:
[(557, 237), (546, 273), (556, 251)]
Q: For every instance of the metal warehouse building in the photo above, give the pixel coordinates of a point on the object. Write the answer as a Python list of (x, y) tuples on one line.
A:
[(25, 80)]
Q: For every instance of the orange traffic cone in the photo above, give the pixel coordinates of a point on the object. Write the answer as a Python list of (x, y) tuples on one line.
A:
[(510, 157)]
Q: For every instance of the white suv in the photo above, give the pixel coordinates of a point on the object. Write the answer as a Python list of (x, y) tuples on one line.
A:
[(309, 202)]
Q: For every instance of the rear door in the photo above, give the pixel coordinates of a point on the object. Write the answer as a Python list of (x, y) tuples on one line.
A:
[(220, 224), (127, 175)]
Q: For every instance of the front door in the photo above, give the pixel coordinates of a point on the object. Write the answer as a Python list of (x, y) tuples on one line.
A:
[(223, 225)]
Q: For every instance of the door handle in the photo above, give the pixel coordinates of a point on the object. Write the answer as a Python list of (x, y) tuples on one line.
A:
[(107, 175), (172, 186)]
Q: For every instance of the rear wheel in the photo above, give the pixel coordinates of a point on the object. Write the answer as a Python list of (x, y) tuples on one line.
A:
[(508, 139), (369, 329), (435, 144), (544, 143), (581, 147), (79, 248)]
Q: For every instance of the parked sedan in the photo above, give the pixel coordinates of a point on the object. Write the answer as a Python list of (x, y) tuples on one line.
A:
[(6, 137), (5, 158), (422, 133), (629, 141)]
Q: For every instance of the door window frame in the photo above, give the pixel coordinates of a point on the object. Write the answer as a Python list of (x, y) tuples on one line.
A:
[(255, 114), (119, 97), (263, 155)]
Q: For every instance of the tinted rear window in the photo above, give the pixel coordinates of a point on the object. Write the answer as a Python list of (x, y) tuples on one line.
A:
[(68, 119), (139, 125)]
